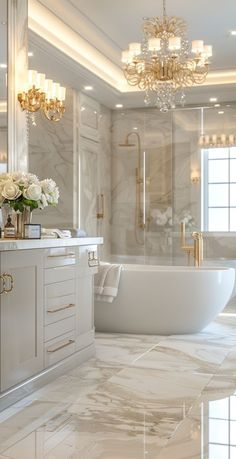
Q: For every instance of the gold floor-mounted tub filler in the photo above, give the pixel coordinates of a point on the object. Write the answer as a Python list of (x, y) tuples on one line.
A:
[(196, 249)]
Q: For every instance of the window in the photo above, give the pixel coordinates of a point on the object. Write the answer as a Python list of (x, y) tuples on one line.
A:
[(219, 189), (222, 428)]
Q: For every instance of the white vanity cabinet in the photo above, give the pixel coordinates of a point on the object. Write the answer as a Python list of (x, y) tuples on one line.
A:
[(46, 308), (21, 316)]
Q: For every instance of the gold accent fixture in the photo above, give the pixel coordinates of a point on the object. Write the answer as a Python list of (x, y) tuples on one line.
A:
[(101, 207), (62, 308), (59, 255), (51, 351), (93, 259), (195, 177), (8, 280), (43, 94), (196, 249), (164, 64), (2, 290), (217, 141), (7, 283)]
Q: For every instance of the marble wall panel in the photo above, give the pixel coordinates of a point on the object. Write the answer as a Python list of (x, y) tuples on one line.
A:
[(51, 156)]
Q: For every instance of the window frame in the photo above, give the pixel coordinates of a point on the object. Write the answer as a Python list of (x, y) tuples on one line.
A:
[(205, 190)]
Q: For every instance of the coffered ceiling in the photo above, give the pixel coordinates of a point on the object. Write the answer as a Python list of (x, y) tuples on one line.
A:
[(92, 34)]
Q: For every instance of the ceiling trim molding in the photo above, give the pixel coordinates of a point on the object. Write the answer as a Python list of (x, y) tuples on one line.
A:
[(45, 24), (52, 29)]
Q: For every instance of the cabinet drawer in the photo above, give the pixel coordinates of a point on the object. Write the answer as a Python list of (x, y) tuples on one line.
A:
[(59, 308), (59, 289), (59, 274), (60, 256), (59, 348), (61, 327)]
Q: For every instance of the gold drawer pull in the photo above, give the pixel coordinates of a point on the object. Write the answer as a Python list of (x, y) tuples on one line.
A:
[(70, 341), (2, 289), (7, 283), (62, 308), (59, 255)]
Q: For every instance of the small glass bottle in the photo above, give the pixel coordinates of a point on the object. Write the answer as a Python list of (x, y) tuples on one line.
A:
[(9, 228)]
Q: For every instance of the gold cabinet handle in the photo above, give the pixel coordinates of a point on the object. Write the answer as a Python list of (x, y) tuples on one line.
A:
[(2, 289), (7, 279), (62, 308), (59, 255), (55, 349), (93, 259)]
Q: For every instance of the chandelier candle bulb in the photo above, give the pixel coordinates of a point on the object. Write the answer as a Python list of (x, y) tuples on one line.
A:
[(197, 46), (125, 57), (231, 139), (207, 50), (32, 78), (154, 44), (214, 139), (40, 81), (134, 49), (62, 93), (174, 43), (49, 89), (55, 90)]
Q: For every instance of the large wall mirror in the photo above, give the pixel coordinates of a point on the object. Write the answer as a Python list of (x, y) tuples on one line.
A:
[(3, 86)]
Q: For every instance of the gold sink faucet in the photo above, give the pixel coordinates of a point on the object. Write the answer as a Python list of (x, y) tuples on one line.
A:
[(196, 249)]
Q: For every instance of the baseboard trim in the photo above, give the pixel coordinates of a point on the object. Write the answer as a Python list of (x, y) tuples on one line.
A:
[(21, 390)]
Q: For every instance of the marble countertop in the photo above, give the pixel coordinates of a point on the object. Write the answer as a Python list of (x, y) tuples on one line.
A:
[(24, 244)]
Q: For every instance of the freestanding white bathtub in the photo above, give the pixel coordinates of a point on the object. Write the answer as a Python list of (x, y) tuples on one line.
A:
[(165, 299)]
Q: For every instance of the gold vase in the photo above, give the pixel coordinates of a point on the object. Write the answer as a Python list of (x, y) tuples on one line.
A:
[(22, 218)]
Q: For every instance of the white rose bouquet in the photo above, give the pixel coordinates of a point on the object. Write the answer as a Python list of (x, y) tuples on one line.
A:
[(21, 189), (162, 218)]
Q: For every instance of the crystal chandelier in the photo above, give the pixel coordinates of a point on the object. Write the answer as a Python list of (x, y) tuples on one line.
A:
[(165, 63)]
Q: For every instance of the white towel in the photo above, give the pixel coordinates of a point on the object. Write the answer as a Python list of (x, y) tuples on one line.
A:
[(106, 282)]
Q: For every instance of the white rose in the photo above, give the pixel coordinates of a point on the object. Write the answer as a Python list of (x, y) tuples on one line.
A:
[(44, 202), (33, 192), (48, 186), (11, 190)]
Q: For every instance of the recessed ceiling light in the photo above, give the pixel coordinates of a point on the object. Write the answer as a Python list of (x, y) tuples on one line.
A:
[(221, 112), (228, 105), (30, 54), (119, 105), (233, 32), (135, 128), (217, 105), (88, 88), (3, 66), (213, 99)]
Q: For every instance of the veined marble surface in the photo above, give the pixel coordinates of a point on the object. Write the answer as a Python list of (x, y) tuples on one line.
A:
[(23, 244), (141, 397)]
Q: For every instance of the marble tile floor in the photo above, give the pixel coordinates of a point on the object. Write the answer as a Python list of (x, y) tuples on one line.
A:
[(142, 397)]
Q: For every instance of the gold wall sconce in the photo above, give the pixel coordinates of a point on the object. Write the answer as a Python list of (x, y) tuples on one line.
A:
[(43, 94), (217, 141), (195, 177)]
